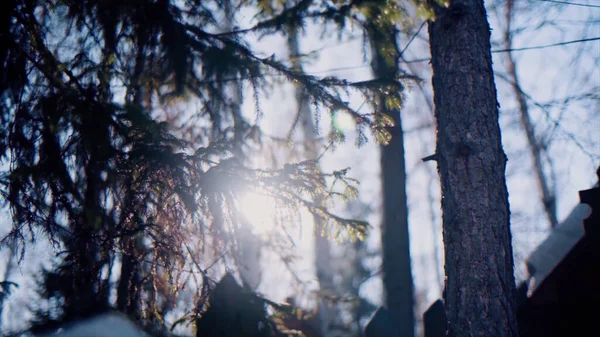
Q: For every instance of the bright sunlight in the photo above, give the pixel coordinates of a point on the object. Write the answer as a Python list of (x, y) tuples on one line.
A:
[(260, 210), (343, 121)]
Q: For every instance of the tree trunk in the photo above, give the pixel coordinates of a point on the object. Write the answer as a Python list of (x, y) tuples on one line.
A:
[(129, 286), (248, 245), (548, 197), (328, 315), (7, 273), (396, 264), (480, 287)]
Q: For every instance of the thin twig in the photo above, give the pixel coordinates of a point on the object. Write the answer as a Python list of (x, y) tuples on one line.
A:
[(571, 3)]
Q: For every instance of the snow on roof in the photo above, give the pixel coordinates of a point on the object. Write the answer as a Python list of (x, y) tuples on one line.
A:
[(562, 239), (105, 325)]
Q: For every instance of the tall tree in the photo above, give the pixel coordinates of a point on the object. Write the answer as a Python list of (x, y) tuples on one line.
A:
[(5, 284), (248, 245), (327, 313), (548, 195), (479, 295), (395, 243), (112, 181)]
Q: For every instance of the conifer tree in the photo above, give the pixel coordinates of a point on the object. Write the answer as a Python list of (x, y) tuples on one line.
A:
[(327, 313), (100, 168), (395, 245)]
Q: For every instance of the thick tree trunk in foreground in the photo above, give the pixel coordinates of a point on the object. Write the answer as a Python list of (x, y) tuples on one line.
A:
[(480, 286), (396, 264)]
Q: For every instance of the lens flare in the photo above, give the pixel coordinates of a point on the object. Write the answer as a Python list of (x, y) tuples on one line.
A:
[(259, 210), (343, 122)]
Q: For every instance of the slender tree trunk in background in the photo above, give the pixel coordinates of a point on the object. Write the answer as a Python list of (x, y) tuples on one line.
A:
[(9, 266), (396, 261), (548, 196), (480, 286), (364, 309), (249, 246), (6, 16), (129, 286), (87, 255), (328, 316)]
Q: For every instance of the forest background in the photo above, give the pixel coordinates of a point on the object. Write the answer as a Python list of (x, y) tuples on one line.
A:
[(555, 50)]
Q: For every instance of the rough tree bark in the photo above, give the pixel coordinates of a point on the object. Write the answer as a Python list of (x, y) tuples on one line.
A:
[(396, 262), (479, 296)]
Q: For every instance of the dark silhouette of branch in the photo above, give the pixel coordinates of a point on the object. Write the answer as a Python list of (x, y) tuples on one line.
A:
[(412, 38)]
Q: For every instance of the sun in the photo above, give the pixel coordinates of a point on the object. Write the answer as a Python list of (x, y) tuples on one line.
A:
[(259, 210), (343, 121)]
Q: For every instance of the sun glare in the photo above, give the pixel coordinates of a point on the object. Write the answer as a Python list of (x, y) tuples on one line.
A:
[(343, 121), (260, 211)]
